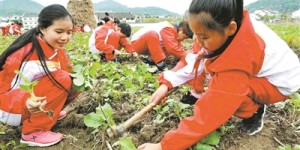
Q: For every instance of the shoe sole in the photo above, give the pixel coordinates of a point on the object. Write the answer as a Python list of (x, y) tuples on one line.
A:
[(262, 123), (38, 144)]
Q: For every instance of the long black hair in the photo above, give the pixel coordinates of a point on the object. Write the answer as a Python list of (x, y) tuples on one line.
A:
[(46, 18)]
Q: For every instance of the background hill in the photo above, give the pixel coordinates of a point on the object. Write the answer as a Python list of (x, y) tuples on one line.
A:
[(282, 6), (113, 6), (19, 7)]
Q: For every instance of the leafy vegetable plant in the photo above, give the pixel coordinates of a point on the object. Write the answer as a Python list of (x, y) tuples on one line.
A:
[(172, 107), (11, 145), (84, 74), (209, 141), (102, 118), (126, 143), (295, 100)]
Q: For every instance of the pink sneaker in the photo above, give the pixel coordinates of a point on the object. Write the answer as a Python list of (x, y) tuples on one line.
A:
[(62, 114), (41, 138)]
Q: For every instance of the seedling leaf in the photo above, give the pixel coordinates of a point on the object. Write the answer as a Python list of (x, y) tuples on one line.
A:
[(93, 120), (126, 143)]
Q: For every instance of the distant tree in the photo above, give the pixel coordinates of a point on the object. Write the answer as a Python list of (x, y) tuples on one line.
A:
[(82, 12)]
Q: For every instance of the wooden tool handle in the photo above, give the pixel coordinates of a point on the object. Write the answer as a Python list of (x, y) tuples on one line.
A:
[(128, 123)]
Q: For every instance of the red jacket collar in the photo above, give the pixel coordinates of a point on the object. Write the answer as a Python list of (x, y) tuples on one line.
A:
[(48, 51)]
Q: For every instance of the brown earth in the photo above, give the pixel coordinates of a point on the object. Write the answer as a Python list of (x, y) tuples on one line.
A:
[(279, 129)]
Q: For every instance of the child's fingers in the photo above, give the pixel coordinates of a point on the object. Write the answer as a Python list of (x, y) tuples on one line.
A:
[(40, 98), (43, 104), (33, 104)]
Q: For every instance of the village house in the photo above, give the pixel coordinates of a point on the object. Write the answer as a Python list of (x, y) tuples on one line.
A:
[(11, 19), (29, 20), (127, 17), (273, 16)]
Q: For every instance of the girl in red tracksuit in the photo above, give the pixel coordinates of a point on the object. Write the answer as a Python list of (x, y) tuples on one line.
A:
[(161, 40), (3, 28), (6, 31), (15, 29), (249, 66), (39, 54), (110, 39)]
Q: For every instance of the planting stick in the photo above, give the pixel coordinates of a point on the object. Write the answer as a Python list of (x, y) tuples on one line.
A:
[(115, 131)]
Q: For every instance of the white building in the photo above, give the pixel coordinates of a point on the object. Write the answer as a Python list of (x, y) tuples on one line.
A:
[(29, 21), (296, 14)]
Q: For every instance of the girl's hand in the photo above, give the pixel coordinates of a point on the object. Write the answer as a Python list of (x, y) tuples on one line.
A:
[(134, 54), (150, 146), (34, 107), (159, 95)]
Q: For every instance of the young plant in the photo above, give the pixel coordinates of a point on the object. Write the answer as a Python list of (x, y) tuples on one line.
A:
[(289, 147), (102, 118), (11, 145), (126, 143), (225, 128), (172, 107), (84, 74), (295, 100), (209, 141), (2, 129), (28, 86)]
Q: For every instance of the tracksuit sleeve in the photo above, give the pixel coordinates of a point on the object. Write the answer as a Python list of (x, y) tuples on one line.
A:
[(127, 46), (169, 38), (213, 109), (183, 72), (12, 101)]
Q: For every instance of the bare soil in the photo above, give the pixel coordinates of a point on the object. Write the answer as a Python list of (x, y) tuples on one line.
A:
[(279, 128)]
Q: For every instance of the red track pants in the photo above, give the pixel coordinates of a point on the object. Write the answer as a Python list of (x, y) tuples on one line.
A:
[(55, 97), (149, 44)]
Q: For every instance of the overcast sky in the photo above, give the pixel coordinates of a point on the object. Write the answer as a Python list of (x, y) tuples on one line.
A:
[(178, 6)]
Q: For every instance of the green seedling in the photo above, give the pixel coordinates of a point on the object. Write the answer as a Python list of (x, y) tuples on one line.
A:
[(102, 118), (208, 143), (28, 86), (126, 143)]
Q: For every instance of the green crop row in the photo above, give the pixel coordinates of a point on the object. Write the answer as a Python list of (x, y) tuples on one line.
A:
[(290, 33)]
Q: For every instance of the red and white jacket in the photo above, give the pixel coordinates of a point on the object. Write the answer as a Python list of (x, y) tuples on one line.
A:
[(10, 104), (15, 29), (255, 51)]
